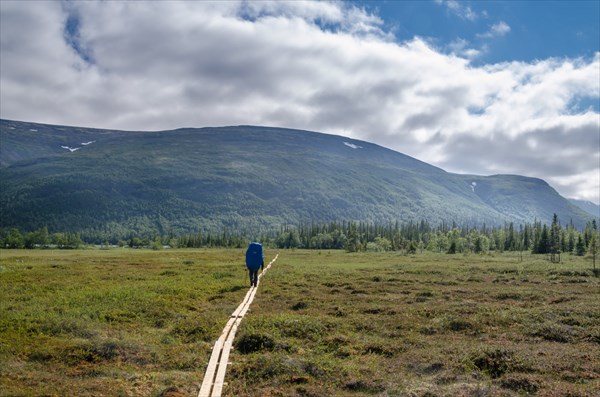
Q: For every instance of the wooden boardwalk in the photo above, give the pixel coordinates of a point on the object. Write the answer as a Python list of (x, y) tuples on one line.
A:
[(213, 382)]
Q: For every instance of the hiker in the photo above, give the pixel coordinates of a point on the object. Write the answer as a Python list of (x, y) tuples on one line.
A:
[(255, 260)]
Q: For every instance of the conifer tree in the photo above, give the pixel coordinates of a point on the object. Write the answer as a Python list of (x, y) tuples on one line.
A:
[(554, 242), (544, 242), (593, 250), (580, 246), (353, 241)]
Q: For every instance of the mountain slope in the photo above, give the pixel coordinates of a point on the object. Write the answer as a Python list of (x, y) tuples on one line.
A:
[(587, 206), (523, 198), (243, 178)]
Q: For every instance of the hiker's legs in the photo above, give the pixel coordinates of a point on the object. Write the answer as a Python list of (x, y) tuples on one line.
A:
[(253, 277)]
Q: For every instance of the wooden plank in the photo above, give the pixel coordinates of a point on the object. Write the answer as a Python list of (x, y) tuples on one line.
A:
[(246, 307), (236, 312), (219, 379), (214, 376), (209, 375)]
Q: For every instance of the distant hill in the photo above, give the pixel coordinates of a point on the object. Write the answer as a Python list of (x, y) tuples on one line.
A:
[(241, 178), (587, 206)]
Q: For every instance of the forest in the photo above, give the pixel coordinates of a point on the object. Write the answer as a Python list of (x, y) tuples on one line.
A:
[(411, 237)]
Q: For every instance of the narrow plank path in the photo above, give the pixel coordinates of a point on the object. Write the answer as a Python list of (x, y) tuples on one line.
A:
[(213, 382)]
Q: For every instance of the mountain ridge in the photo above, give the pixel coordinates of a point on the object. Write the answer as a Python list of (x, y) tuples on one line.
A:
[(242, 178), (587, 206)]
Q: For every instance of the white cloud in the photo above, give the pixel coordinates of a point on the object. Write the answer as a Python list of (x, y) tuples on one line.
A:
[(324, 66), (462, 48), (461, 10), (496, 30)]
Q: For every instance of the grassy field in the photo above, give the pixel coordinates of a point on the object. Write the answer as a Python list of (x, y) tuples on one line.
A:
[(141, 323), (112, 323)]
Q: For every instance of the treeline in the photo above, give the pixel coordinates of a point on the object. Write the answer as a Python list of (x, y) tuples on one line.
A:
[(447, 238), (13, 238), (411, 237)]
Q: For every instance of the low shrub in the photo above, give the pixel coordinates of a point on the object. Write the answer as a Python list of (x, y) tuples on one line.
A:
[(267, 366), (380, 349), (254, 342), (520, 384), (96, 351), (365, 386), (299, 327), (458, 325), (299, 306), (496, 363), (554, 332), (508, 296), (191, 330), (184, 357)]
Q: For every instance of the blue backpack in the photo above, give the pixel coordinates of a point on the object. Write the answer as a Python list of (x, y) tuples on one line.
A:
[(254, 256)]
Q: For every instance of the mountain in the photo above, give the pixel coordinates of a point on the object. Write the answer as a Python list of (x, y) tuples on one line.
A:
[(587, 206), (242, 178)]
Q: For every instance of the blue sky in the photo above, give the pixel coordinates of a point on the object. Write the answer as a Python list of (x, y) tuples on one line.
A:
[(538, 29), (500, 31), (477, 87)]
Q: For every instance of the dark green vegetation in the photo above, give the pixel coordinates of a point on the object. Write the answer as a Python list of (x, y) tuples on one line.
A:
[(144, 184), (413, 237), (141, 323), (355, 237)]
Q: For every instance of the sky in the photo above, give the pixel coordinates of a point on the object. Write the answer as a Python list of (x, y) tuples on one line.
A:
[(481, 87)]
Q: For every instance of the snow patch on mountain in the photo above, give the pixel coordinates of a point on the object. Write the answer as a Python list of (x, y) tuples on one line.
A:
[(353, 146), (71, 149)]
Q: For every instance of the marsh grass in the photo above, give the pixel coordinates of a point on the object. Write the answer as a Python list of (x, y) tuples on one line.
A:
[(112, 322), (142, 323), (339, 324)]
